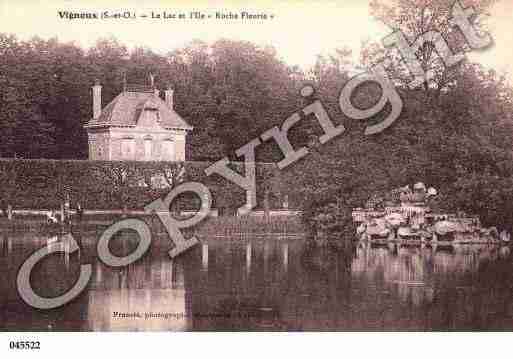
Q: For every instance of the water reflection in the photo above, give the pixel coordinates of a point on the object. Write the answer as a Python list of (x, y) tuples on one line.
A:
[(204, 256), (267, 284), (248, 258), (285, 256)]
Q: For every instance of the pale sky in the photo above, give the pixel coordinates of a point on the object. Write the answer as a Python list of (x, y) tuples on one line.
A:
[(299, 31)]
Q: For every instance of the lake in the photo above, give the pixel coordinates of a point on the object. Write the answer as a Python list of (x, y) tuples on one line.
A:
[(265, 284)]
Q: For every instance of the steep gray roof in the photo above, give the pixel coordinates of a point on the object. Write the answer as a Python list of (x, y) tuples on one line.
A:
[(126, 108)]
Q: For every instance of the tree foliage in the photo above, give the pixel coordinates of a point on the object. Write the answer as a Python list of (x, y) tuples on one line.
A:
[(414, 18)]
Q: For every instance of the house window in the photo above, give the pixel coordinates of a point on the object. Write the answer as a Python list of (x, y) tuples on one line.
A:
[(168, 150), (128, 148), (148, 149)]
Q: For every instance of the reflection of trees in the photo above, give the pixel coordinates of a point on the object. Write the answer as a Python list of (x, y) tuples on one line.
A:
[(51, 277), (278, 288), (241, 285), (413, 272)]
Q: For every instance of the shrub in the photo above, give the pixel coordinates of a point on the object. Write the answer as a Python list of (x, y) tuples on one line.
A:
[(44, 184)]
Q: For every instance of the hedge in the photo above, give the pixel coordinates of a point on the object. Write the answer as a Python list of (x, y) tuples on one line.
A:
[(44, 184)]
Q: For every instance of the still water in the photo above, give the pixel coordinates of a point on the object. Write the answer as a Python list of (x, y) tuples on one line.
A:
[(266, 285)]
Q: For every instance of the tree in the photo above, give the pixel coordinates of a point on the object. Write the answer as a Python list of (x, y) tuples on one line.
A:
[(108, 63), (204, 143), (414, 18), (240, 88), (20, 120)]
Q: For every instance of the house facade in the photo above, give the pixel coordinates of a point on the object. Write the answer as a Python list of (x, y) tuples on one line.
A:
[(136, 126)]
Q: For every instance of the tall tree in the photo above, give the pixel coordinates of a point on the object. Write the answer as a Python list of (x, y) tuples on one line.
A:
[(414, 18)]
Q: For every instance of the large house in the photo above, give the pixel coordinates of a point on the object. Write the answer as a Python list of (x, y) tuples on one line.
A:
[(136, 126)]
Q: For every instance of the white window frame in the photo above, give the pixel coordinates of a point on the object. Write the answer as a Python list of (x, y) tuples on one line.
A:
[(128, 142), (168, 150), (148, 148)]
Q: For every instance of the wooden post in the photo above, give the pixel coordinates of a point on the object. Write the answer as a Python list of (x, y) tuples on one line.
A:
[(248, 258), (9, 212), (63, 215), (204, 256), (67, 206), (66, 253)]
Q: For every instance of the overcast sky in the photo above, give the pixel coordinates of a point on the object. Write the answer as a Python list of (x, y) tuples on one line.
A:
[(299, 31)]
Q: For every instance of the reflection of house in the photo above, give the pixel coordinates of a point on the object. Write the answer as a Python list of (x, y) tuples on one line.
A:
[(137, 125), (137, 310), (154, 288)]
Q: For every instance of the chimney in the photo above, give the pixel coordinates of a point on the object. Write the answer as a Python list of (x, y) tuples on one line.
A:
[(169, 97), (97, 99)]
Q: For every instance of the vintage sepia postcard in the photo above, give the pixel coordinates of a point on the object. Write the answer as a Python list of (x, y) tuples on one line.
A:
[(265, 166)]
